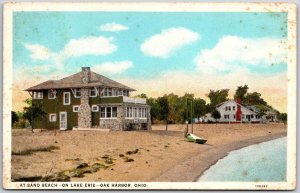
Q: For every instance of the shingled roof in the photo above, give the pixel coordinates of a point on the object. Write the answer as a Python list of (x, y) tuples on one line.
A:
[(75, 81)]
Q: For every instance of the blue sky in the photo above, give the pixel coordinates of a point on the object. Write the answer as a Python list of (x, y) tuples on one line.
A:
[(146, 46)]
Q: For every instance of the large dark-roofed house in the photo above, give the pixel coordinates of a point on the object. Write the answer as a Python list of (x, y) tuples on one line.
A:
[(89, 100)]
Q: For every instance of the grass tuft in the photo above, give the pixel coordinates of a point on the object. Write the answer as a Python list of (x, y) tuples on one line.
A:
[(31, 151)]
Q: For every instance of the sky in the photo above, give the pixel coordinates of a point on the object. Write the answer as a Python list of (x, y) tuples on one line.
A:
[(155, 52)]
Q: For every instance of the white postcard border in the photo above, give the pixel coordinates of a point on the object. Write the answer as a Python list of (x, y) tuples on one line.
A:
[(9, 8)]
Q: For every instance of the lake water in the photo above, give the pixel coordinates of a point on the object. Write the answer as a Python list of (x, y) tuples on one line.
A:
[(260, 162)]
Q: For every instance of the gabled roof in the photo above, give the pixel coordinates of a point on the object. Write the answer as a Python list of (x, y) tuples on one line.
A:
[(75, 81), (242, 105)]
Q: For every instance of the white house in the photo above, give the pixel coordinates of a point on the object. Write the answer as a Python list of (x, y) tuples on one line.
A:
[(271, 115), (228, 111)]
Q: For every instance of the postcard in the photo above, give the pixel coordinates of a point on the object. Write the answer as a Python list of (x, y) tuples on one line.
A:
[(149, 96)]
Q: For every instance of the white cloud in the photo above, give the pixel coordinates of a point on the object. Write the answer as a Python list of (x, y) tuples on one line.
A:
[(113, 67), (168, 41), (90, 45), (38, 52), (113, 27), (232, 52)]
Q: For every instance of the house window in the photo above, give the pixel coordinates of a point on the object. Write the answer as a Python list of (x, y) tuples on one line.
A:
[(108, 112), (229, 108), (102, 112), (77, 92), (143, 113), (120, 92), (52, 117), (109, 91), (114, 111), (114, 92), (233, 108), (51, 94), (93, 92), (95, 108), (226, 116), (37, 95), (75, 108), (105, 91), (133, 112), (67, 99), (252, 116), (130, 112), (234, 116)]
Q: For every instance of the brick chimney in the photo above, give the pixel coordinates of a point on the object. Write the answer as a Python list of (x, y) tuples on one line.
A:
[(238, 115), (85, 114)]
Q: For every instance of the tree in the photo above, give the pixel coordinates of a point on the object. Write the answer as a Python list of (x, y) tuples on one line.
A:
[(14, 117), (283, 117), (217, 97), (154, 109), (254, 99), (199, 107), (241, 92), (164, 108), (141, 96), (175, 108), (216, 115), (33, 111)]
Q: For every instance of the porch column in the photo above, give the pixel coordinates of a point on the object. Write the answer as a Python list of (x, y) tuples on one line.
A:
[(148, 118)]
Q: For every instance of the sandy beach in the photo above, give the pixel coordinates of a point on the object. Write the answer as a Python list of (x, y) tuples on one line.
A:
[(155, 155)]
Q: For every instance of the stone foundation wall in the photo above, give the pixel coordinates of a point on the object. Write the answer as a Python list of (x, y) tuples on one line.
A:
[(114, 123), (120, 123), (85, 112)]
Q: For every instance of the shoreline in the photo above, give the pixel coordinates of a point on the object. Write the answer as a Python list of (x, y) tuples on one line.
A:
[(193, 167)]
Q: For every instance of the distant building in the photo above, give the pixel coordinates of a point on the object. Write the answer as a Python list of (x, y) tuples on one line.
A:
[(271, 115), (229, 112), (89, 100)]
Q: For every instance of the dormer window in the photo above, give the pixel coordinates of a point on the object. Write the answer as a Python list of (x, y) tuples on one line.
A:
[(37, 95), (120, 92), (77, 92), (51, 94), (125, 93), (109, 91), (114, 92), (105, 92), (93, 92)]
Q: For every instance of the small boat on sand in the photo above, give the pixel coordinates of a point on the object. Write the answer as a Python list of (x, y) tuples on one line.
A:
[(193, 138)]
